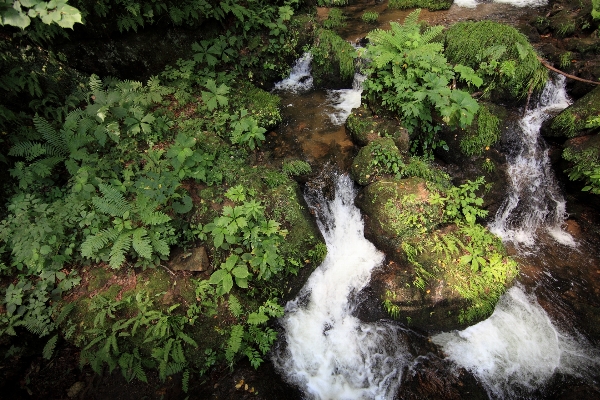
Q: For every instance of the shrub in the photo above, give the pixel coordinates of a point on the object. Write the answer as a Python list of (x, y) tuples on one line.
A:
[(370, 17)]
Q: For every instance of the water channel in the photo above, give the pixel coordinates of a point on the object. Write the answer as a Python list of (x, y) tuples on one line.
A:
[(543, 338)]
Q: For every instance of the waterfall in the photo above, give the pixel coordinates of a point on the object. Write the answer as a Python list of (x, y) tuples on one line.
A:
[(326, 351), (517, 350), (534, 199), (300, 79), (344, 100)]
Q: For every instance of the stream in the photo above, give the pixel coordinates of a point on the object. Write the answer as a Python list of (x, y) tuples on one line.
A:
[(543, 339)]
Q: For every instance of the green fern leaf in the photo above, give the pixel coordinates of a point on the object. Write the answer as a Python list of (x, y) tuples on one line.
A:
[(118, 250), (234, 306), (185, 380), (141, 243), (93, 243), (49, 347), (235, 342), (113, 202)]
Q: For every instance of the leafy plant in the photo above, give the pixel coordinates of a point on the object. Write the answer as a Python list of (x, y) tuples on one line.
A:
[(486, 133), (585, 167), (296, 168), (432, 5), (19, 13), (335, 19), (409, 75), (332, 55), (462, 203), (370, 17)]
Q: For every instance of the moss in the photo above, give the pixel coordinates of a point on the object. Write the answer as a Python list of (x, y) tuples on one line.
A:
[(263, 106), (398, 210), (576, 119), (333, 60), (431, 5), (512, 64), (364, 127), (365, 167), (482, 134), (98, 278)]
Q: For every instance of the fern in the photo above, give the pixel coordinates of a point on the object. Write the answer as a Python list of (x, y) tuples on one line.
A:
[(235, 342), (113, 202), (49, 347), (234, 306)]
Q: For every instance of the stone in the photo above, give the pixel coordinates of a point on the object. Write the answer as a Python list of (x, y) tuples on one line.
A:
[(75, 389), (195, 260)]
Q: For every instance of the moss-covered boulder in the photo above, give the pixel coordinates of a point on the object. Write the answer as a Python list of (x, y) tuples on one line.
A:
[(500, 54), (397, 209), (365, 127), (333, 60), (377, 159), (579, 119), (439, 275)]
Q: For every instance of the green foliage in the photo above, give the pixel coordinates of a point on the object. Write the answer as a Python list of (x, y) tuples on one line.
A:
[(595, 9), (409, 75), (392, 309), (370, 17), (332, 55), (585, 167), (565, 59), (19, 13), (486, 134), (296, 168), (251, 240), (461, 203), (499, 54), (432, 5), (335, 19), (331, 3)]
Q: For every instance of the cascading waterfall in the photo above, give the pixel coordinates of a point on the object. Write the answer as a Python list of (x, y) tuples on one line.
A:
[(534, 199), (344, 100), (300, 79), (518, 349), (327, 351)]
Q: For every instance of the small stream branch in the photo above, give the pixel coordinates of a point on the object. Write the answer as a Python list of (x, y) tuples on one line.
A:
[(551, 68)]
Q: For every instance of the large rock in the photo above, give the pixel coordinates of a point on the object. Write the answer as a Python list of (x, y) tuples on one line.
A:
[(577, 119)]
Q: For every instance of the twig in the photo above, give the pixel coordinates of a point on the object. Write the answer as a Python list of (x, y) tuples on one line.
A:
[(551, 68), (168, 270)]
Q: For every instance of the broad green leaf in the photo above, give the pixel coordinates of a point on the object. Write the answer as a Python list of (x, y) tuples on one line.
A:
[(218, 276)]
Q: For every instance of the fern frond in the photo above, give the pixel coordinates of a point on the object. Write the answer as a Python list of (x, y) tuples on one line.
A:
[(174, 368), (159, 245), (95, 83), (235, 342), (141, 243), (235, 306), (49, 347), (93, 243), (113, 202), (118, 250), (64, 312), (185, 380)]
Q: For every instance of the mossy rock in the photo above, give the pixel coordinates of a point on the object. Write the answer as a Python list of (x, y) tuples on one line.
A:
[(265, 107), (397, 209), (431, 5), (333, 61), (470, 43), (365, 127), (576, 120), (563, 23), (364, 168)]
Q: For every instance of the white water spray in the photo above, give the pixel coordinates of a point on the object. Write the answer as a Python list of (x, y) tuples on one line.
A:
[(516, 3), (518, 349), (344, 100), (300, 79), (326, 351), (534, 199)]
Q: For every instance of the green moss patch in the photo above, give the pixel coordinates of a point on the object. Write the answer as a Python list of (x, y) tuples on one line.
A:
[(364, 127), (580, 118), (500, 54), (333, 60)]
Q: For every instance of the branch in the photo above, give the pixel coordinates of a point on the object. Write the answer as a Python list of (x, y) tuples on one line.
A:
[(551, 68)]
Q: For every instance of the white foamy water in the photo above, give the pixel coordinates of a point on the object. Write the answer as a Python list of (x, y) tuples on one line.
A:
[(300, 79), (326, 351), (344, 100), (516, 3), (518, 349), (534, 200)]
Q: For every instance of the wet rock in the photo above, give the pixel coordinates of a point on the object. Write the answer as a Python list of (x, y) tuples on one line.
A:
[(195, 260), (364, 127), (75, 389), (575, 120), (376, 160)]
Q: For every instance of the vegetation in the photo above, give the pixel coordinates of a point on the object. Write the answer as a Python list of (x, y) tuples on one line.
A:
[(482, 135), (106, 174), (432, 5), (335, 19), (585, 167), (333, 58), (409, 75), (370, 17), (499, 54)]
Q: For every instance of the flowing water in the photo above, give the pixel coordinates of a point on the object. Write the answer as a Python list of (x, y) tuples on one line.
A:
[(543, 337), (535, 200)]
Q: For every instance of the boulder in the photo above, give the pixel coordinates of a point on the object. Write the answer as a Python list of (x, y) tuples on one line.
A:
[(195, 260), (579, 119)]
